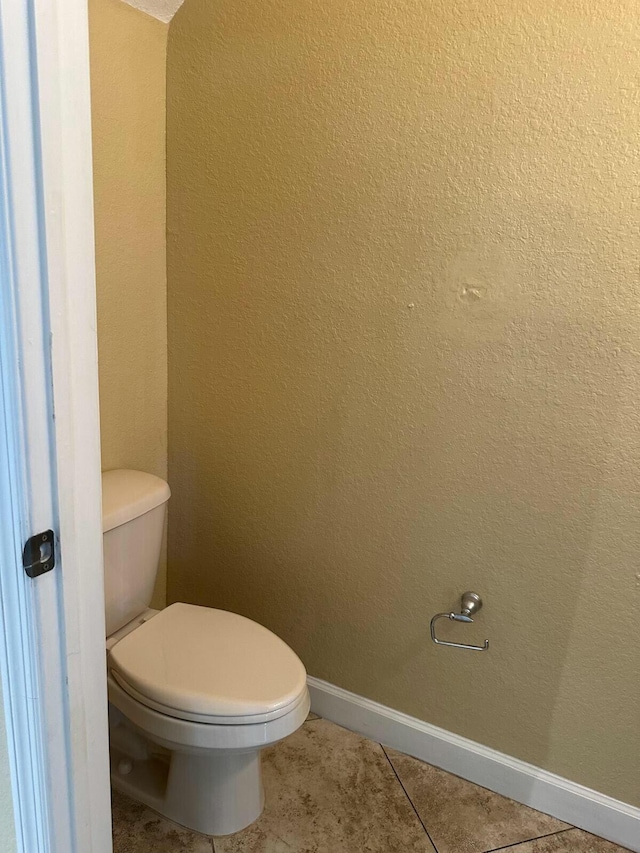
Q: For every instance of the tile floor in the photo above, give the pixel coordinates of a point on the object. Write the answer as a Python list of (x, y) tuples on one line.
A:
[(332, 791)]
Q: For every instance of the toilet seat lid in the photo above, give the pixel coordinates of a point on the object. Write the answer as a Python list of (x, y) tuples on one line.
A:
[(209, 662)]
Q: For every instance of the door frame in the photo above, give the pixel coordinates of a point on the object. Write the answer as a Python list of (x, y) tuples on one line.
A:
[(52, 637)]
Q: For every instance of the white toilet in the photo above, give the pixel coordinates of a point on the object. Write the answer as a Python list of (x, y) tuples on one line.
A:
[(194, 693)]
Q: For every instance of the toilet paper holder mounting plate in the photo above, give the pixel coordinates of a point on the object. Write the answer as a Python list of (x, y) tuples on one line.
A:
[(470, 603)]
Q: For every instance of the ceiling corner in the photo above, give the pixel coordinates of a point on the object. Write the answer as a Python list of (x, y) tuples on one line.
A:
[(163, 10)]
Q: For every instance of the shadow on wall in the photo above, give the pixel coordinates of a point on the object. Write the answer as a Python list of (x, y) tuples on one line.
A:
[(405, 352)]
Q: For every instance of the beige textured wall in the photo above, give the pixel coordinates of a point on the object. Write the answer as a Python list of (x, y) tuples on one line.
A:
[(404, 326), (128, 76)]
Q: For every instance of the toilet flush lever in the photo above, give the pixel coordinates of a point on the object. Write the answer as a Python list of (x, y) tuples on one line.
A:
[(470, 603)]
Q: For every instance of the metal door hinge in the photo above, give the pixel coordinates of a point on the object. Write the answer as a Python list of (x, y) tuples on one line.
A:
[(39, 554)]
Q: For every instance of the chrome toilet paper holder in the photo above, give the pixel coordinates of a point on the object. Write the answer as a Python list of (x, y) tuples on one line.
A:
[(470, 603)]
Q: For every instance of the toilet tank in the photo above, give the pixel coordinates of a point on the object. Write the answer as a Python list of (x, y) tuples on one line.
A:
[(133, 514)]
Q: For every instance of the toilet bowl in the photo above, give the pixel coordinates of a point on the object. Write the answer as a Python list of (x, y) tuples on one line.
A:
[(195, 693)]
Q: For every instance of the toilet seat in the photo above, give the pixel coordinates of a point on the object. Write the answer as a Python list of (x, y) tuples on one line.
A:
[(208, 666), (217, 720), (187, 735)]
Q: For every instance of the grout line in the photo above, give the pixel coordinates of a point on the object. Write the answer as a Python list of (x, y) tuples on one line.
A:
[(213, 846), (529, 840), (395, 773)]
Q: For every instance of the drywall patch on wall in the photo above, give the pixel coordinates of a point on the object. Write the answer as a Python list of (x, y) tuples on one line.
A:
[(163, 10)]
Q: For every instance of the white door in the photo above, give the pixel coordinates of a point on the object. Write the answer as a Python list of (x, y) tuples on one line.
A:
[(52, 658)]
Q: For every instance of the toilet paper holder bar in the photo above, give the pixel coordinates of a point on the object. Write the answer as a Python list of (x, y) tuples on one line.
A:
[(470, 603)]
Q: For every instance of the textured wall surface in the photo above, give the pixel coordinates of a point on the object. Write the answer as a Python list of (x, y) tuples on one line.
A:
[(128, 75), (404, 327)]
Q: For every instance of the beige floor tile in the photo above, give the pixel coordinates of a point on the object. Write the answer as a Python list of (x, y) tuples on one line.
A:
[(311, 716), (465, 818), (330, 791), (136, 829), (572, 841)]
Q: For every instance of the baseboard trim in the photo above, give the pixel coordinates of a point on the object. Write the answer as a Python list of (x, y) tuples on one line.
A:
[(579, 806)]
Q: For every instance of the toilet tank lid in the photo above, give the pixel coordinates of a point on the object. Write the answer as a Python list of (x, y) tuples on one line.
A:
[(129, 494)]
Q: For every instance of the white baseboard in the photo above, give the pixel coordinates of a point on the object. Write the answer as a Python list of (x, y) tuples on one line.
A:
[(546, 792)]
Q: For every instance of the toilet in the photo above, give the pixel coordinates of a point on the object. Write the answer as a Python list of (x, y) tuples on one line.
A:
[(195, 693)]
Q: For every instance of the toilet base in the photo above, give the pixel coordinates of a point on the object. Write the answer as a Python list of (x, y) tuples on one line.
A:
[(217, 794), (204, 776)]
